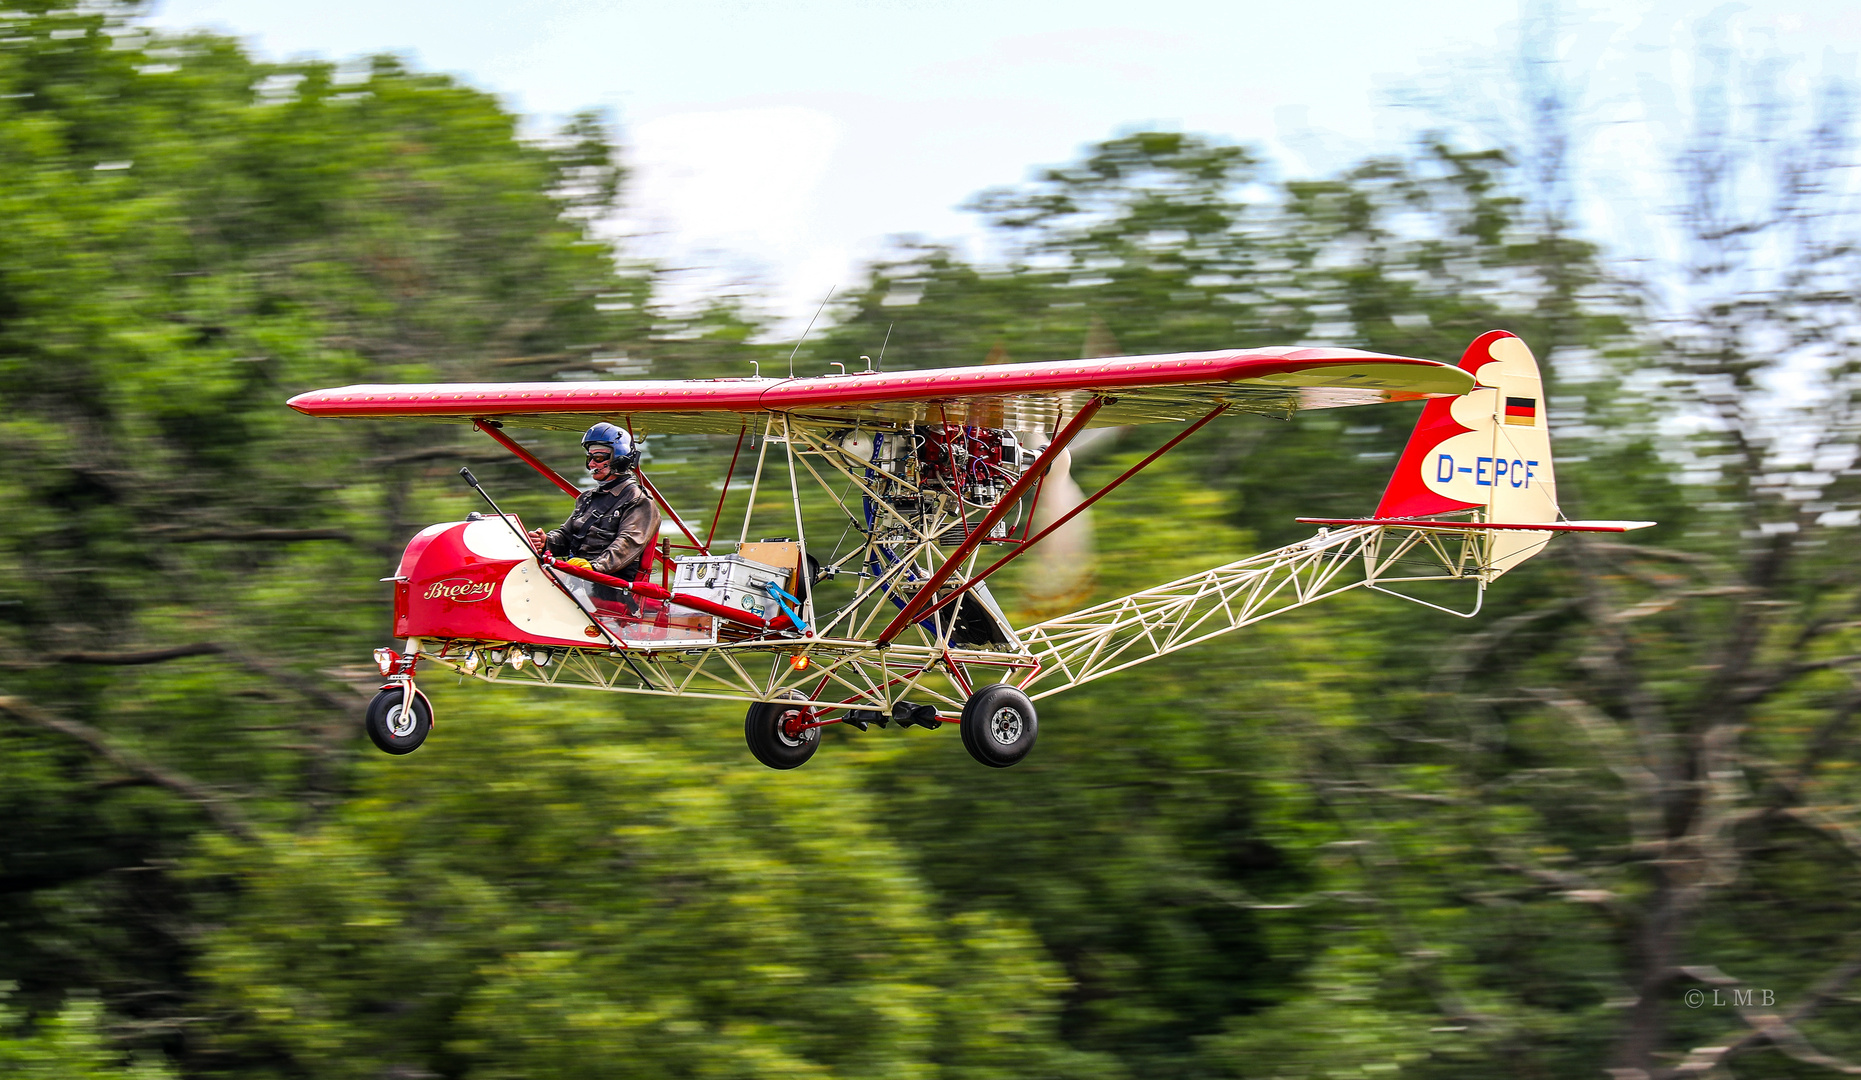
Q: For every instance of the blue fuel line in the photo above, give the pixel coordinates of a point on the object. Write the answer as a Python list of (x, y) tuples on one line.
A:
[(782, 600)]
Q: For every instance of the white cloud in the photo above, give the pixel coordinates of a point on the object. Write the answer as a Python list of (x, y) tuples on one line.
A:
[(745, 178)]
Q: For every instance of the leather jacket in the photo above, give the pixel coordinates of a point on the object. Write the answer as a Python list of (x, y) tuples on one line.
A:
[(610, 527)]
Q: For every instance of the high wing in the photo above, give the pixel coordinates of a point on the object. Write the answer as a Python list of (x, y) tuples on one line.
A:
[(1136, 390)]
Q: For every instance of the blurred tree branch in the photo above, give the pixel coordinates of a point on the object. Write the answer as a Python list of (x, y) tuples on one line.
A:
[(215, 804), (117, 659)]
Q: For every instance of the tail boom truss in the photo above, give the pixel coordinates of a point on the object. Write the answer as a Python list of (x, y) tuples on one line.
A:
[(1097, 641)]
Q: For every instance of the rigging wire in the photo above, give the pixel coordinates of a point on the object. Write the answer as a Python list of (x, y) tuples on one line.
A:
[(804, 333)]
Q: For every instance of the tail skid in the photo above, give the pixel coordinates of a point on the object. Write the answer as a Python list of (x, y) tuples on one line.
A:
[(1479, 600)]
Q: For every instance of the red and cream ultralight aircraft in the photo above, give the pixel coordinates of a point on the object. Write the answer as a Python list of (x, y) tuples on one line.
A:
[(902, 628)]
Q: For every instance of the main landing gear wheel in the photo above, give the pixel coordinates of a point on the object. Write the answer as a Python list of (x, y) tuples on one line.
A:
[(999, 725), (395, 728), (770, 729)]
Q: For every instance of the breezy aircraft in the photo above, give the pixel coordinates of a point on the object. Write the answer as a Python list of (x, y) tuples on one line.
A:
[(948, 465)]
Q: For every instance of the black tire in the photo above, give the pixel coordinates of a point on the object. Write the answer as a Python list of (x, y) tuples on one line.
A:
[(999, 725), (762, 729), (396, 730)]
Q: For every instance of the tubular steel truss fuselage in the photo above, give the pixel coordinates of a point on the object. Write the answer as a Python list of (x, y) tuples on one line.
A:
[(919, 625)]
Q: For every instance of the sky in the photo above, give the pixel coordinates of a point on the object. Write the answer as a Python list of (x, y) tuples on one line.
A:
[(780, 144)]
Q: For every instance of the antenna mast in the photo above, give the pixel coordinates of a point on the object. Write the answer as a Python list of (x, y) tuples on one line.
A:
[(882, 345), (804, 333)]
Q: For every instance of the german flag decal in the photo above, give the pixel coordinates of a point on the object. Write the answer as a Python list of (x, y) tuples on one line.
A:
[(1522, 410)]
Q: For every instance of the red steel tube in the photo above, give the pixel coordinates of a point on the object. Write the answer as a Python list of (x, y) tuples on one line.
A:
[(728, 473), (926, 594), (956, 482), (644, 588), (490, 427), (655, 592), (1032, 506), (667, 507), (1018, 549)]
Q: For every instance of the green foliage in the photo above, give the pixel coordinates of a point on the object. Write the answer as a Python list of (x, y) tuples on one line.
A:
[(613, 906), (69, 1045), (190, 238)]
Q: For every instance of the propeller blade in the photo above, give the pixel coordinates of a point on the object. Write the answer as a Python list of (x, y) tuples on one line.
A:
[(1062, 569)]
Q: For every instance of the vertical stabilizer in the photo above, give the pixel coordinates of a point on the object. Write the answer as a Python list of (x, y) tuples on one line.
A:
[(1488, 450)]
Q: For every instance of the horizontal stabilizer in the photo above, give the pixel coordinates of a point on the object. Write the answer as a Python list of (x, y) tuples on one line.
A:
[(1548, 526)]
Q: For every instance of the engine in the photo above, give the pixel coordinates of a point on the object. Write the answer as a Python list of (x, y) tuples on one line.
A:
[(940, 473)]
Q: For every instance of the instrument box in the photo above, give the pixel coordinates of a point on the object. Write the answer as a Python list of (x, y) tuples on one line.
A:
[(731, 580)]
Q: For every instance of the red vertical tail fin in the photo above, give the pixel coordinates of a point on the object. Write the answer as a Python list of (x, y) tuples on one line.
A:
[(1488, 450)]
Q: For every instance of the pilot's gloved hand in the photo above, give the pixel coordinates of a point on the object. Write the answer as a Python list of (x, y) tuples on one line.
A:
[(583, 563)]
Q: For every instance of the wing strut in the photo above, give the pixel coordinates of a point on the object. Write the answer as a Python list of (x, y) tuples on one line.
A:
[(1016, 552), (718, 514), (928, 593), (490, 427), (697, 544)]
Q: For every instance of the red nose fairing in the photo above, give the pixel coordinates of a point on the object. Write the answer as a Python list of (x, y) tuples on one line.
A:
[(476, 581)]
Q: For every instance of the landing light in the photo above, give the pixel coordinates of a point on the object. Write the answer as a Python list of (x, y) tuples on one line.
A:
[(799, 662), (388, 661)]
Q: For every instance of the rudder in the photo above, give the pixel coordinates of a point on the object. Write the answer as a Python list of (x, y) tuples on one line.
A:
[(1487, 451)]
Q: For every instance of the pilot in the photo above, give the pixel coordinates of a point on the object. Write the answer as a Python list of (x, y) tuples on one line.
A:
[(611, 525)]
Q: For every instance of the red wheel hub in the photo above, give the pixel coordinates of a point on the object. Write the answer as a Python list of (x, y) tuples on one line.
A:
[(796, 721)]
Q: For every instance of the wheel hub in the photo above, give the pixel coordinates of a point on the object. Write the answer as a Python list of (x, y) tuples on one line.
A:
[(1005, 725), (400, 721), (793, 728)]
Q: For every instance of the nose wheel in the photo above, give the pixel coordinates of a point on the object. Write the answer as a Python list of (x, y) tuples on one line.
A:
[(395, 726), (999, 725)]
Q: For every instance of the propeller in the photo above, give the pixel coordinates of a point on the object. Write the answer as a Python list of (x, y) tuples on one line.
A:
[(1061, 572)]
